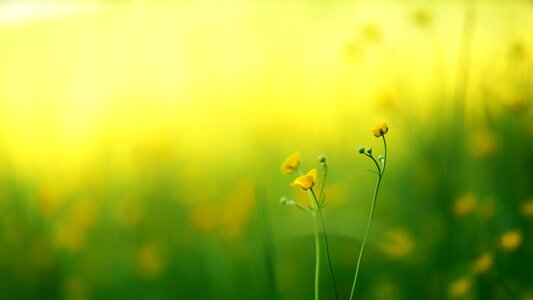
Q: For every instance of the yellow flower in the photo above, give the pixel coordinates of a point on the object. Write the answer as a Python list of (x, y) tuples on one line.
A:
[(460, 287), (291, 163), (397, 243), (306, 181), (465, 204), (483, 263), (511, 240), (380, 130), (527, 208)]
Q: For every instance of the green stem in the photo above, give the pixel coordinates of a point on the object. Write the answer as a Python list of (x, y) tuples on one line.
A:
[(326, 244), (371, 217), (317, 259), (323, 184)]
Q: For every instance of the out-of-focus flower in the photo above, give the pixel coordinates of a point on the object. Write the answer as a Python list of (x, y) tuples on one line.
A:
[(465, 204), (460, 287), (483, 144), (380, 130), (71, 234), (397, 243), (306, 181), (483, 263), (149, 262), (527, 208), (511, 240), (291, 164), (237, 210)]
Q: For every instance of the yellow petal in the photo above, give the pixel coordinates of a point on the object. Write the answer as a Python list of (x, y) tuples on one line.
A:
[(306, 181), (483, 263), (314, 175), (291, 163), (511, 240), (380, 130)]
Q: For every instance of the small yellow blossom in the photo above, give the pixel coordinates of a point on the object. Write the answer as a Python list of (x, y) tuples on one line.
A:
[(397, 243), (483, 263), (465, 204), (460, 287), (306, 181), (527, 208), (380, 130), (511, 240), (291, 163), (149, 262)]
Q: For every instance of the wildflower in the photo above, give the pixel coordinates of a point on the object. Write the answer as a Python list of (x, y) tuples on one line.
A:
[(460, 287), (483, 263), (465, 204), (527, 208), (306, 181), (291, 164), (397, 243), (149, 262), (380, 130), (511, 240)]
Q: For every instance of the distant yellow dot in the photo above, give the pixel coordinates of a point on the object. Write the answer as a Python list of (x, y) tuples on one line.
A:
[(483, 263), (397, 243), (527, 208), (465, 204), (460, 287), (149, 262), (511, 240)]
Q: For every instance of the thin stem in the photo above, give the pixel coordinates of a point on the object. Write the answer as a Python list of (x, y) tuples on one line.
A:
[(317, 259), (323, 184), (371, 217), (385, 160), (326, 244), (375, 162)]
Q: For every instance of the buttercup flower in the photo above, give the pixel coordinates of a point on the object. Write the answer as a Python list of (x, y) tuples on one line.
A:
[(511, 240), (291, 163), (306, 181), (483, 263), (380, 130)]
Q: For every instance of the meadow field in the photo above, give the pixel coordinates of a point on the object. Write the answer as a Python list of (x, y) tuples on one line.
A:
[(141, 145)]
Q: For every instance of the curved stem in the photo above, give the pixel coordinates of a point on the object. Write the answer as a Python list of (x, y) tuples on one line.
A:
[(371, 217), (366, 236), (326, 244)]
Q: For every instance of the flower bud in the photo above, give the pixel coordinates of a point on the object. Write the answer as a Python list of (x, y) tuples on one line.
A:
[(369, 151), (286, 201), (361, 150), (322, 158)]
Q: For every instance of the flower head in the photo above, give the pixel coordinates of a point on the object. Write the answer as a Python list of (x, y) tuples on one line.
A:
[(483, 263), (511, 240), (306, 181), (291, 163), (380, 130)]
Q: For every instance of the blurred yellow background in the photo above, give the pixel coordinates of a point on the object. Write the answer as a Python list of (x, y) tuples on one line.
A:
[(140, 143)]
